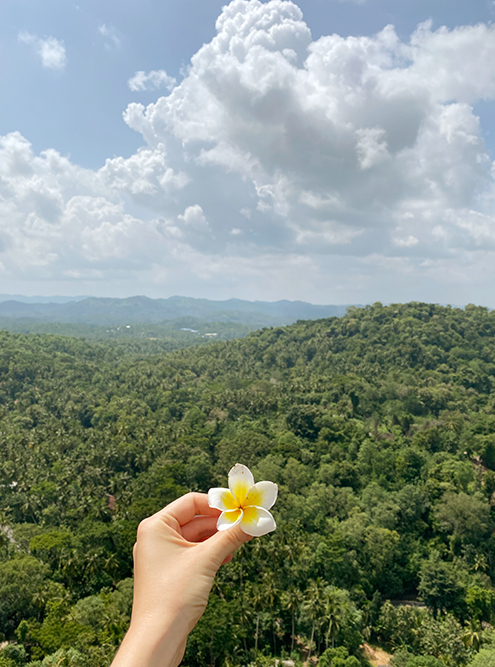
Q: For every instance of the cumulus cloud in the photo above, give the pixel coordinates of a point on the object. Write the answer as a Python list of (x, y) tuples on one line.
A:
[(151, 81), (368, 124), (59, 219), (194, 217), (50, 50), (352, 160), (146, 176)]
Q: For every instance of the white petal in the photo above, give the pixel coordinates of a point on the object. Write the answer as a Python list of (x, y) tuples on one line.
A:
[(228, 520), (222, 499), (262, 494), (240, 481), (257, 521)]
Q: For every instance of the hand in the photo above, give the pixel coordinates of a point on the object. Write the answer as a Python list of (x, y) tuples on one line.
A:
[(176, 556)]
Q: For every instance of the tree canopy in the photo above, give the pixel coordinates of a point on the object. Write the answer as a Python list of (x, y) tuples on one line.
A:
[(379, 428)]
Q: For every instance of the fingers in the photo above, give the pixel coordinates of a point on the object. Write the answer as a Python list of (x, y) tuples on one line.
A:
[(187, 507), (199, 528), (224, 543)]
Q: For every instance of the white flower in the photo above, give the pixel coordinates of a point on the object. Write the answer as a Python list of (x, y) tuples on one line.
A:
[(245, 503)]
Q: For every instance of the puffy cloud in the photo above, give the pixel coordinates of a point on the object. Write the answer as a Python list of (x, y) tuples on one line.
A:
[(405, 241), (369, 133), (110, 237), (50, 50), (146, 176), (151, 81), (453, 65), (194, 217), (358, 162), (57, 219)]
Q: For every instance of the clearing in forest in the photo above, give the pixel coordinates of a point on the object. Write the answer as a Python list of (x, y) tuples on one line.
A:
[(377, 656)]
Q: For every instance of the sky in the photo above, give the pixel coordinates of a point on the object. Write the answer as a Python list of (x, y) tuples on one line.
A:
[(332, 151)]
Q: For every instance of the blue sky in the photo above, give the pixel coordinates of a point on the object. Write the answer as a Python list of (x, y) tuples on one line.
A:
[(314, 155)]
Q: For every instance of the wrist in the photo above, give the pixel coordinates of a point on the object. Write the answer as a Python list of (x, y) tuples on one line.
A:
[(148, 644)]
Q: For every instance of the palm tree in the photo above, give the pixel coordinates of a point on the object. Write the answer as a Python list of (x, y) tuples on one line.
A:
[(314, 607), (258, 602), (292, 599), (270, 597), (70, 565), (93, 562), (472, 635), (244, 616), (333, 615), (111, 564)]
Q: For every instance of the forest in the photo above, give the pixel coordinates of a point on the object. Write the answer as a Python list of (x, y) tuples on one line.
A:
[(378, 427)]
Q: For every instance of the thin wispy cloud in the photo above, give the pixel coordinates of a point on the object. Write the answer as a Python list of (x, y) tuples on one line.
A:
[(111, 36), (49, 50), (153, 80)]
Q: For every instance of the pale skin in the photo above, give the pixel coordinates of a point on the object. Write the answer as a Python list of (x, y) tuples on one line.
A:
[(176, 557)]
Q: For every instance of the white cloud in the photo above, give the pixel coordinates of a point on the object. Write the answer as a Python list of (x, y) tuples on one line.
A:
[(151, 81), (146, 176), (110, 35), (57, 218), (325, 234), (194, 217), (366, 124), (371, 147), (405, 242), (480, 228), (357, 161), (50, 50)]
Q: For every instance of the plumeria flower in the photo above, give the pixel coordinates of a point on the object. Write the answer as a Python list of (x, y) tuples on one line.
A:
[(245, 503)]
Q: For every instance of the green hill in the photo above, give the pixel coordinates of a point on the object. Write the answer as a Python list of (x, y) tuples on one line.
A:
[(106, 312), (164, 336), (379, 428)]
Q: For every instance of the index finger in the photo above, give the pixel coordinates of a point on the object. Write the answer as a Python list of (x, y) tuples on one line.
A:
[(185, 508)]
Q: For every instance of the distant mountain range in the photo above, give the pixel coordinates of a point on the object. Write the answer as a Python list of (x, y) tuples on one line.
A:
[(40, 299), (141, 309)]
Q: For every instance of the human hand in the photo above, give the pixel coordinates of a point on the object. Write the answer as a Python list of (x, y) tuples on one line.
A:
[(176, 556)]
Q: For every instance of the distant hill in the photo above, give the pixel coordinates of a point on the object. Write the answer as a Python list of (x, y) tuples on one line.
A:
[(141, 309), (40, 299), (157, 336)]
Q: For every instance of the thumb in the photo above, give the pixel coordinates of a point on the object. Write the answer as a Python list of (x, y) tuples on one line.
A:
[(225, 542)]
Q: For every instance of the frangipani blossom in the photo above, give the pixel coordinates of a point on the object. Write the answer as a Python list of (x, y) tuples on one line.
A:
[(245, 503)]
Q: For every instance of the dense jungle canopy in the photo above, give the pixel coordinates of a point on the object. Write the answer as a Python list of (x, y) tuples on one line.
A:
[(379, 428)]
